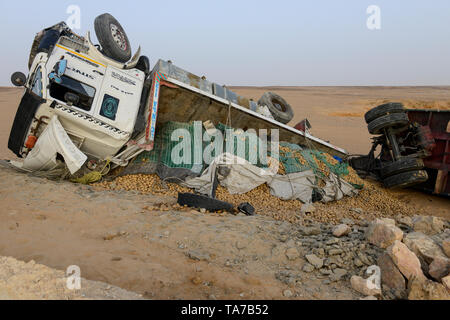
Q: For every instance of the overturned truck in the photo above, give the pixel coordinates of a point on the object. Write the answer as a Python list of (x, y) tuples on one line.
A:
[(86, 105)]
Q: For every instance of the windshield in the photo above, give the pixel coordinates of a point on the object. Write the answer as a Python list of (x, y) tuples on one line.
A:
[(85, 92)]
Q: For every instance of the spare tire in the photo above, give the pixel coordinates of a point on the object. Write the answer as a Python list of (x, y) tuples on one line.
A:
[(401, 165), (406, 179), (280, 109), (112, 38), (394, 120), (382, 110)]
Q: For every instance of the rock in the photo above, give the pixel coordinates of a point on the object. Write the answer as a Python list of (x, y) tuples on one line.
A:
[(326, 271), (308, 268), (335, 252), (423, 246), (388, 221), (405, 260), (428, 225), (292, 254), (369, 298), (196, 281), (196, 255), (405, 220), (391, 277), (287, 293), (383, 234), (310, 231), (358, 263), (446, 247), (341, 230), (357, 210), (338, 274), (426, 290), (439, 268), (446, 282), (314, 260), (347, 221), (364, 286)]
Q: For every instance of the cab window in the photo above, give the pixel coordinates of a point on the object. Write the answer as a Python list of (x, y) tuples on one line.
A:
[(36, 84), (84, 92)]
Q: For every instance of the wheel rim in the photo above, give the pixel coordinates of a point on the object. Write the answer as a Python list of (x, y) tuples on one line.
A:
[(119, 37)]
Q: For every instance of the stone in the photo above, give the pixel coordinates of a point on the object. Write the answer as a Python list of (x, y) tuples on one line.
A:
[(334, 252), (391, 277), (347, 221), (423, 246), (388, 221), (338, 274), (446, 282), (310, 231), (358, 263), (405, 220), (364, 286), (308, 268), (341, 230), (439, 268), (196, 255), (287, 293), (292, 254), (426, 290), (370, 298), (446, 247), (428, 224), (405, 260), (314, 260), (326, 271), (383, 234)]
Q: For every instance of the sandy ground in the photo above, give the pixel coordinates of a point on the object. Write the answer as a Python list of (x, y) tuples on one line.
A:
[(172, 254)]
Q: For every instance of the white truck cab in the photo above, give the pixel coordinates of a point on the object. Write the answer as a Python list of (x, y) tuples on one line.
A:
[(96, 99)]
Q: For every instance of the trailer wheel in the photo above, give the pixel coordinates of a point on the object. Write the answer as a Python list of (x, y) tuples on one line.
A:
[(394, 120), (382, 110), (406, 179), (280, 109), (402, 165), (112, 38)]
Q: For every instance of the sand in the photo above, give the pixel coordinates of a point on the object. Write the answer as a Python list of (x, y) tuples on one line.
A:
[(115, 238)]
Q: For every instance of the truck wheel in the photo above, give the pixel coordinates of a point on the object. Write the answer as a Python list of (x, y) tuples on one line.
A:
[(394, 120), (406, 179), (382, 110), (112, 38), (402, 165), (279, 108)]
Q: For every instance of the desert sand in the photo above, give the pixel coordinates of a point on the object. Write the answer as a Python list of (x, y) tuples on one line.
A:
[(139, 243)]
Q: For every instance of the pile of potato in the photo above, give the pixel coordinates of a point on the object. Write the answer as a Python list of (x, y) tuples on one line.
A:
[(374, 200)]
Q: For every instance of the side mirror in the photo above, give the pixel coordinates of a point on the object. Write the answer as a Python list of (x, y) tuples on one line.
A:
[(18, 79), (71, 98)]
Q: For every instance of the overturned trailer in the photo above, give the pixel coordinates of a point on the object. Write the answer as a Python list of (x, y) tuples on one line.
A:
[(85, 104)]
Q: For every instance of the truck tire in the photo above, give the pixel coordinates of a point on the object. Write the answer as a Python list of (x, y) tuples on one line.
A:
[(394, 120), (280, 109), (112, 38), (382, 110), (406, 179), (402, 165), (203, 202)]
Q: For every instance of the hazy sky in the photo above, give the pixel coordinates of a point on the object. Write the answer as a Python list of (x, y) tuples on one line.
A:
[(261, 42)]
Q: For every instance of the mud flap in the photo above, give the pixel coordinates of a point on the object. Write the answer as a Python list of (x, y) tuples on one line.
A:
[(53, 141)]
